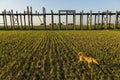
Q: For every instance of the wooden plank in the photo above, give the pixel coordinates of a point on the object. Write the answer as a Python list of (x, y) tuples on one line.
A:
[(52, 20)]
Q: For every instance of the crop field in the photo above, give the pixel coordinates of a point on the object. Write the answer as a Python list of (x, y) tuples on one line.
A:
[(53, 55)]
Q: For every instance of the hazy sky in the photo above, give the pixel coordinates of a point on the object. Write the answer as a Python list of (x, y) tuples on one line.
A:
[(55, 5)]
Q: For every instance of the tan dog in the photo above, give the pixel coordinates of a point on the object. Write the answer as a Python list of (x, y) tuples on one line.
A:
[(87, 59)]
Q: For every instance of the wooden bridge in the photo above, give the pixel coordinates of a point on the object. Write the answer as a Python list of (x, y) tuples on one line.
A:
[(25, 20)]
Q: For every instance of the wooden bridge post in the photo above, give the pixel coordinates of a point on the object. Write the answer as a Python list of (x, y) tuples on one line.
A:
[(116, 20), (28, 17), (74, 20), (102, 21), (81, 19), (87, 20), (25, 19), (66, 20), (21, 21), (17, 20), (3, 13), (59, 21), (95, 22), (98, 20), (52, 20), (31, 17), (11, 19), (109, 20), (13, 22), (106, 20), (44, 17), (90, 20)]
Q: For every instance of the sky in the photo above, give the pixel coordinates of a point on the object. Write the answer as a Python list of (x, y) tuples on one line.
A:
[(55, 5)]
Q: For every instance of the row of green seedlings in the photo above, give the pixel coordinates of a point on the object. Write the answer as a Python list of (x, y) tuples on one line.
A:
[(28, 69), (8, 55), (19, 56), (90, 69), (16, 56)]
